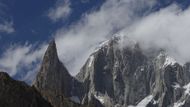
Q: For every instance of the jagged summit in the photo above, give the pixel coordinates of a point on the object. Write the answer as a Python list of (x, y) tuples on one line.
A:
[(51, 61), (51, 53), (51, 65), (51, 47), (53, 80)]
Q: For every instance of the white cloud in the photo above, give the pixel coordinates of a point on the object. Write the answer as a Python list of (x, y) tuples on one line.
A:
[(7, 27), (17, 57), (77, 42), (166, 29), (61, 11)]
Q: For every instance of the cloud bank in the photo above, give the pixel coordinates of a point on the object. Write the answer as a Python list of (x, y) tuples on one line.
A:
[(61, 10), (166, 29), (22, 57)]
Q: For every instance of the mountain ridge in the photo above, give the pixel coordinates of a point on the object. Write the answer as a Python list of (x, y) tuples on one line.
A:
[(18, 94), (115, 75)]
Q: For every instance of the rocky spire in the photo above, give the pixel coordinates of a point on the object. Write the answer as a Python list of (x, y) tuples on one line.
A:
[(51, 56), (53, 80)]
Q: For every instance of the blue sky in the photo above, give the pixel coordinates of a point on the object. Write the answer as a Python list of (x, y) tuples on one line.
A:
[(78, 26), (31, 22)]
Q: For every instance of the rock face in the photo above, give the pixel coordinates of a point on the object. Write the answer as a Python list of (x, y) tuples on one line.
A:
[(121, 77), (53, 80), (18, 94), (53, 75), (116, 76)]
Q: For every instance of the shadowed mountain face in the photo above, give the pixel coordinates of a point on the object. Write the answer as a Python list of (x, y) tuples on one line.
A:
[(18, 94)]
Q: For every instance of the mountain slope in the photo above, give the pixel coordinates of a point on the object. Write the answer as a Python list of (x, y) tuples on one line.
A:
[(18, 94)]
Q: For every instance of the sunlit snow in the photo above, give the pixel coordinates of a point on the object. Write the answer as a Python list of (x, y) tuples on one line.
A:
[(179, 104), (187, 89), (169, 61), (145, 101), (100, 98)]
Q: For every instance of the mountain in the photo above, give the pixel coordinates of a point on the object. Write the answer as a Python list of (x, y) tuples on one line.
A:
[(117, 74), (122, 76), (54, 81), (18, 94)]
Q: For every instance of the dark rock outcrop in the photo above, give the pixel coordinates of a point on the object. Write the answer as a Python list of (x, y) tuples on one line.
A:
[(18, 94)]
